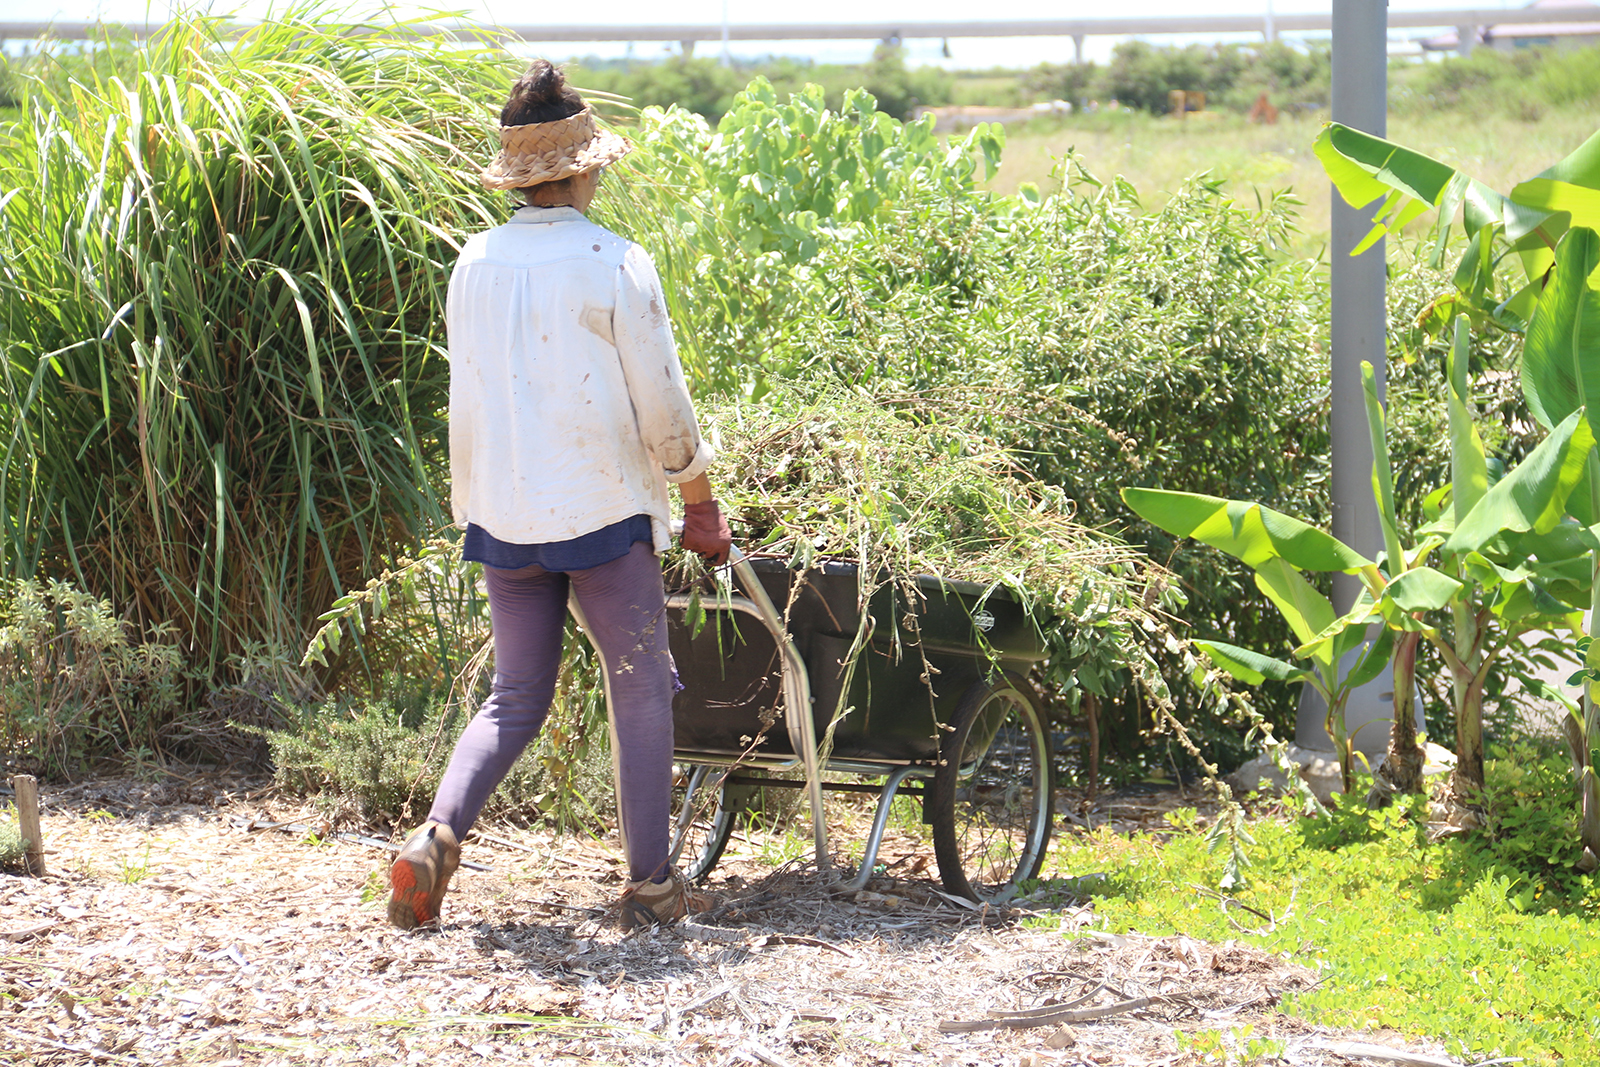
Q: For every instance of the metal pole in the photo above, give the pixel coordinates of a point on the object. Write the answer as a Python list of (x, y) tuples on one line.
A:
[(1360, 86), (1360, 83)]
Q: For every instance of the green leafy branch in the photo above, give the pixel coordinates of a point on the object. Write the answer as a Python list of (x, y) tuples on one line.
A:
[(392, 588)]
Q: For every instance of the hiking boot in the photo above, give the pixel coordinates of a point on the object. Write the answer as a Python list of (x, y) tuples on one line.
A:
[(420, 874), (658, 903)]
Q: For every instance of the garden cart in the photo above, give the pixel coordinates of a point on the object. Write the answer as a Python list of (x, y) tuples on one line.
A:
[(923, 694)]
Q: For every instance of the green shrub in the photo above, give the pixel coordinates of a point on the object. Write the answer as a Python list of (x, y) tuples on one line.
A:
[(1105, 346), (1522, 82), (698, 84), (380, 759), (1076, 83), (1533, 823), (758, 210), (1570, 77), (77, 684), (1460, 81), (898, 89), (1141, 74)]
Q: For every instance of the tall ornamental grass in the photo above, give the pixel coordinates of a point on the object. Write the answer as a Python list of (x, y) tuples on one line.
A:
[(222, 273)]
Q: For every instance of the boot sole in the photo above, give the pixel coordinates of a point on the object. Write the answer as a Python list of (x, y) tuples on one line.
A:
[(408, 901)]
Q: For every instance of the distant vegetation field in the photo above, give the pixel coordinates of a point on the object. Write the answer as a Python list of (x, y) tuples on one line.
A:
[(1527, 85), (1489, 113), (1156, 154), (1494, 113), (1139, 76)]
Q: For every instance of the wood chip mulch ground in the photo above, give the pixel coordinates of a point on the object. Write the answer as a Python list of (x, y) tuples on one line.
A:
[(173, 928)]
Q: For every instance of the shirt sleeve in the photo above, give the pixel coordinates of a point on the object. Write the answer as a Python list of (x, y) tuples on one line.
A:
[(461, 418), (655, 377)]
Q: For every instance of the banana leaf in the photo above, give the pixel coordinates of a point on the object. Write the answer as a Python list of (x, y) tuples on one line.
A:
[(1469, 472), (1406, 183), (1374, 661), (1534, 495), (1561, 357), (1419, 589), (1247, 531), (1382, 474), (1307, 611), (1249, 667)]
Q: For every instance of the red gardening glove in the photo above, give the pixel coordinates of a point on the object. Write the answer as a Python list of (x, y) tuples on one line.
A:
[(705, 531)]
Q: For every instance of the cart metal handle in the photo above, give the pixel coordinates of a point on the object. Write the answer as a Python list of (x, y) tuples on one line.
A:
[(796, 695)]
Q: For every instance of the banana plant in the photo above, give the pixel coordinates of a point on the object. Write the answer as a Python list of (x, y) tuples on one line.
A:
[(1546, 225), (1560, 378), (1395, 599), (1521, 562), (1508, 551), (1279, 548), (1518, 564), (1402, 765)]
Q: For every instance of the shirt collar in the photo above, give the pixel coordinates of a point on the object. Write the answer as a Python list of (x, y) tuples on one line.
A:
[(564, 213)]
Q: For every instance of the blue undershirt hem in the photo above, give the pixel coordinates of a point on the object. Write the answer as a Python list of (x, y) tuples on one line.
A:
[(578, 554)]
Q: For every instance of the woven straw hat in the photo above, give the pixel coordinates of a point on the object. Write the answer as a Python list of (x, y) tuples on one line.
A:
[(549, 151)]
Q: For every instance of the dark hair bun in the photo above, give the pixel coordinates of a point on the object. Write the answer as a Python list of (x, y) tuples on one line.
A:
[(541, 84), (540, 95)]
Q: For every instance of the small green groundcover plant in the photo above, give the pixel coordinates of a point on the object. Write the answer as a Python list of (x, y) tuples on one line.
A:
[(11, 846), (1489, 942)]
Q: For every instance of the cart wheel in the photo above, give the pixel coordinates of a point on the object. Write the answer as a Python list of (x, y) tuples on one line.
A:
[(699, 835), (992, 799)]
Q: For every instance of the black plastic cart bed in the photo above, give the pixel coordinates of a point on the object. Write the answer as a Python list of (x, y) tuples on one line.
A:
[(936, 707)]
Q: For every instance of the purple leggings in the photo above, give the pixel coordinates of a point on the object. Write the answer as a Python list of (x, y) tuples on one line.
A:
[(623, 604)]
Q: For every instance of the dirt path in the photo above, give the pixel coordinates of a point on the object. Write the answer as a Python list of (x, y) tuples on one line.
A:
[(167, 932)]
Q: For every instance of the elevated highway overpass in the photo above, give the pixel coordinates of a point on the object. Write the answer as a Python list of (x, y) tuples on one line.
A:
[(688, 34)]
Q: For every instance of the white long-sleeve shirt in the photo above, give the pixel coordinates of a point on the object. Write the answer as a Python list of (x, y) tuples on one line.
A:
[(568, 408)]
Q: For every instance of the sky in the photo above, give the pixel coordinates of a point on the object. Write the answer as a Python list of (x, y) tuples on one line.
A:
[(968, 53)]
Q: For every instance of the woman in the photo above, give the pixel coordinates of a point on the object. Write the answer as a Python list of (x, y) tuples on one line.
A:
[(568, 417)]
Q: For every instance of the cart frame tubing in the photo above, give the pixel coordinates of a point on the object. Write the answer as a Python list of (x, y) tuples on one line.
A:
[(717, 777), (796, 687)]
